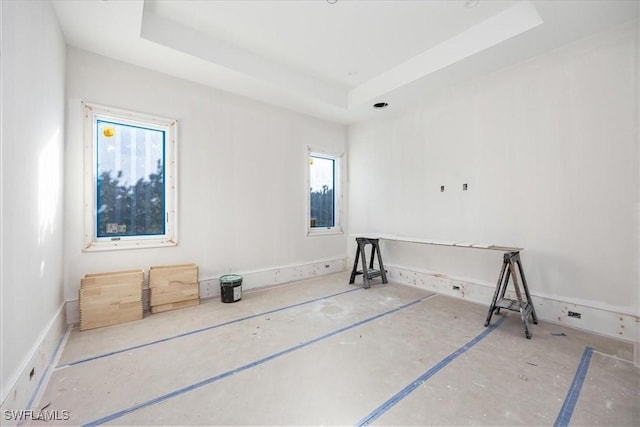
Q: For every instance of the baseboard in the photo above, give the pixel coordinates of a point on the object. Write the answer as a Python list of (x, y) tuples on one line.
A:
[(276, 276), (210, 287), (596, 320), (19, 392)]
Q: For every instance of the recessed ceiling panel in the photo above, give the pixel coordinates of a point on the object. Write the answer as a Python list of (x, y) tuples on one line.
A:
[(348, 42), (332, 60)]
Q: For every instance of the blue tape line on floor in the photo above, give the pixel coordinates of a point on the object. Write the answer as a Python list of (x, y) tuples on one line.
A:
[(196, 331), (574, 391), (247, 366), (376, 413)]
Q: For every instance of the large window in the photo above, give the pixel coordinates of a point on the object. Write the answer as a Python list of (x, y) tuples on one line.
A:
[(324, 193), (130, 189)]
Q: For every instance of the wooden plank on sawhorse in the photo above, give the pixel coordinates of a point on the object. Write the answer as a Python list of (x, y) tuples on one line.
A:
[(511, 260)]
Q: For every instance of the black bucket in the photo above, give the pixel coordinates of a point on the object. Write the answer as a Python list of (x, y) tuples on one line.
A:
[(230, 288)]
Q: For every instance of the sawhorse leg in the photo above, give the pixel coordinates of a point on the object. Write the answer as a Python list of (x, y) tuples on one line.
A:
[(534, 317), (365, 273), (355, 265), (383, 273), (500, 291)]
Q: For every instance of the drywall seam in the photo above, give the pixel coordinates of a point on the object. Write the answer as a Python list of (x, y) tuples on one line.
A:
[(53, 361), (492, 285), (20, 387), (593, 319)]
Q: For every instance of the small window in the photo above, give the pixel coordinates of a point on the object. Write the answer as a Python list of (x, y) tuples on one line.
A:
[(129, 179), (324, 194)]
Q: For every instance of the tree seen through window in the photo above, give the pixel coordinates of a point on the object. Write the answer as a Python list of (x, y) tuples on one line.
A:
[(322, 200), (130, 186)]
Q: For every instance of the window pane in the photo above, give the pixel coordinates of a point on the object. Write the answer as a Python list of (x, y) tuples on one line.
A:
[(321, 179), (130, 185)]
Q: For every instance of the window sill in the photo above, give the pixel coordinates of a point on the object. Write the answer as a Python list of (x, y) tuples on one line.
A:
[(324, 232), (127, 245)]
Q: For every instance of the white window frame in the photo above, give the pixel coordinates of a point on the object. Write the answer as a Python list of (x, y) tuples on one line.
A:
[(337, 190), (92, 113)]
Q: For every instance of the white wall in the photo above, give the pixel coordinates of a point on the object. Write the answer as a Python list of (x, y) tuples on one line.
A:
[(241, 175), (32, 98), (637, 353), (549, 149)]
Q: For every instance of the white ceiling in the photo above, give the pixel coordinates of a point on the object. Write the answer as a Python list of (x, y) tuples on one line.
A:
[(332, 60)]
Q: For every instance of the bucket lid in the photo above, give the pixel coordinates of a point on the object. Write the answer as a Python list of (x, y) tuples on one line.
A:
[(230, 278)]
